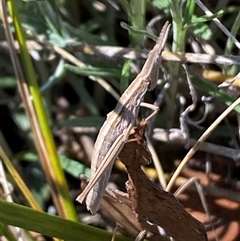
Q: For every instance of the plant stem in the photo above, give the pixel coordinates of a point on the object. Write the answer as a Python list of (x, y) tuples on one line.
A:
[(55, 173)]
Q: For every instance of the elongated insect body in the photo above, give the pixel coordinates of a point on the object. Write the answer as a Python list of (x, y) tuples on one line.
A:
[(115, 130), (102, 145)]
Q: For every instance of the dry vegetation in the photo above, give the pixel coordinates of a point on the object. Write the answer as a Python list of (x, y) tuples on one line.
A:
[(84, 55)]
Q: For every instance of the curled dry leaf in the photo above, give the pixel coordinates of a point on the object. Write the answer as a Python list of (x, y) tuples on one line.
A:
[(150, 202), (118, 206), (146, 206)]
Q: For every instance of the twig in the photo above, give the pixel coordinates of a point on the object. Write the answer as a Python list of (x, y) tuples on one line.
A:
[(200, 142)]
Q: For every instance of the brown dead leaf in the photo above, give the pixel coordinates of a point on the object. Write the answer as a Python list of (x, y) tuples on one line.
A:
[(118, 206), (146, 206), (150, 202)]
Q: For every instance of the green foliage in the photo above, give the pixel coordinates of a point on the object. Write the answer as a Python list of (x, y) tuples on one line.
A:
[(16, 215), (73, 167), (124, 82), (86, 71), (71, 26)]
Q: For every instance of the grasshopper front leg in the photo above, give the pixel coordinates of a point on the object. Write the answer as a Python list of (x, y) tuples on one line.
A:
[(94, 190)]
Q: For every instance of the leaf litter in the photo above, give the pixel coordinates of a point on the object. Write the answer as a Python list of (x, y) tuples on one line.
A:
[(146, 206)]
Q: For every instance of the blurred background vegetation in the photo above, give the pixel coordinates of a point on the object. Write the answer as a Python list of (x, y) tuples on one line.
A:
[(73, 60)]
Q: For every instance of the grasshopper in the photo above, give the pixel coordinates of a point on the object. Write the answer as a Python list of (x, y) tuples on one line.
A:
[(116, 129)]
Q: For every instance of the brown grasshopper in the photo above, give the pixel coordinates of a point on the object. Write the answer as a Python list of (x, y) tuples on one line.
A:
[(115, 130)]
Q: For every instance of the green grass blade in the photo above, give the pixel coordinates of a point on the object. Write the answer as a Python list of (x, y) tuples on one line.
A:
[(50, 225), (59, 183)]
